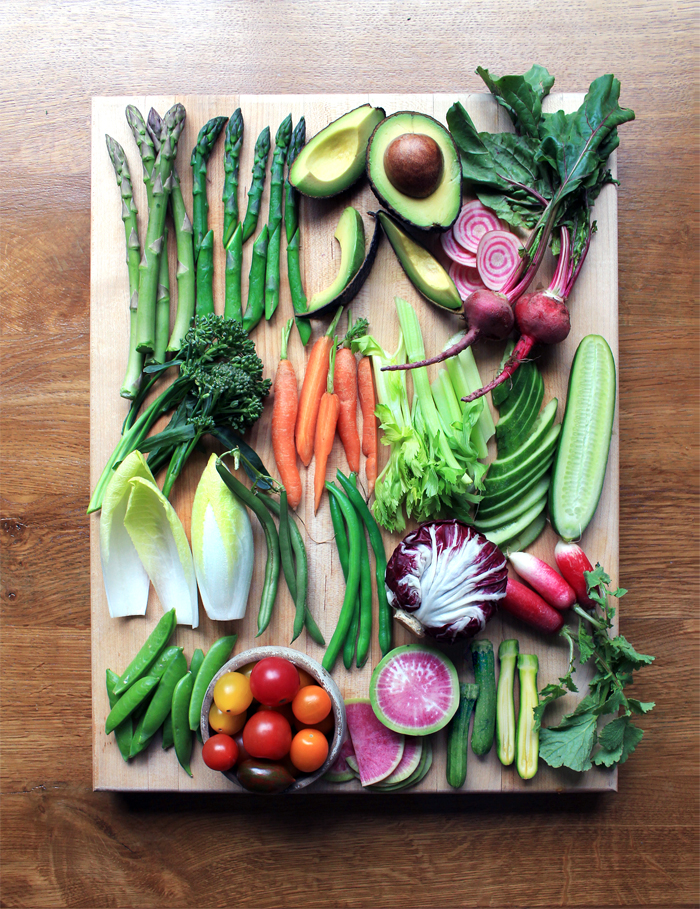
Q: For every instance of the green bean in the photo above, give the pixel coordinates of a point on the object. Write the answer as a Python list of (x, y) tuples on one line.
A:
[(256, 282), (341, 537), (217, 655), (168, 740), (182, 734), (353, 583), (365, 606), (160, 705), (149, 653), (286, 555), (272, 564), (205, 276), (129, 701), (196, 662), (350, 644), (375, 538), (124, 731)]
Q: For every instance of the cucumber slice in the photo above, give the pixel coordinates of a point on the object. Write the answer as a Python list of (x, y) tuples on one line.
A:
[(490, 504), (502, 516), (520, 392), (582, 458), (501, 392), (501, 534), (527, 537), (513, 429), (541, 427), (506, 480)]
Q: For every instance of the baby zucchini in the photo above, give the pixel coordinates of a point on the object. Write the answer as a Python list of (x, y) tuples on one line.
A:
[(582, 457), (485, 711)]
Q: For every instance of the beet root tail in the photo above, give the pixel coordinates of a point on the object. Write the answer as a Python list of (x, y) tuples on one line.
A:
[(471, 336), (520, 352)]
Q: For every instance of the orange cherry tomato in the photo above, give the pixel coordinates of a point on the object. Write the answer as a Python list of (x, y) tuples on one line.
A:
[(230, 723), (305, 678), (309, 750), (311, 704), (325, 726)]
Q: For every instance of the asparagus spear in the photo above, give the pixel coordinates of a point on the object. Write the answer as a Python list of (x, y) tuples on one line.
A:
[(146, 146), (162, 305), (206, 140), (233, 300), (173, 123), (274, 221), (185, 246), (205, 275), (291, 223), (134, 366), (262, 150), (256, 282), (233, 140)]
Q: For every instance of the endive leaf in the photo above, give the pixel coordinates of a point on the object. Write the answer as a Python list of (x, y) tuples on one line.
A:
[(125, 579), (222, 547), (161, 542)]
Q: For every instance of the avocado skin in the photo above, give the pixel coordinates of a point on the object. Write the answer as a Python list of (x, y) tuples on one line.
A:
[(420, 213)]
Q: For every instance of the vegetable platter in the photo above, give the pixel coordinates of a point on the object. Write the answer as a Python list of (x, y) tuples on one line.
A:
[(593, 308)]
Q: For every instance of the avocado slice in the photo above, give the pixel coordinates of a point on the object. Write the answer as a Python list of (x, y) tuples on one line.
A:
[(350, 233), (422, 268), (415, 171), (334, 158)]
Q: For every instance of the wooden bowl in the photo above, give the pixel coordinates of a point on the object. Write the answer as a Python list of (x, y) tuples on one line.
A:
[(317, 672)]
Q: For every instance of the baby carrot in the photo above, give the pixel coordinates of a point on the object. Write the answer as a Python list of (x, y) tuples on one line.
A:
[(315, 379), (368, 404), (346, 388), (325, 431), (284, 415)]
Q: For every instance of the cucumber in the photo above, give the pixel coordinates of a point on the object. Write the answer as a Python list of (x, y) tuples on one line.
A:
[(540, 428), (458, 736), (513, 429), (484, 726), (523, 503), (505, 532), (527, 537), (581, 461), (523, 468)]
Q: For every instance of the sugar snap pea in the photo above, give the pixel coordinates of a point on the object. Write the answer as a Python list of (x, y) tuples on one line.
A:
[(124, 731), (149, 653), (168, 733), (196, 662), (139, 742), (353, 582), (160, 704), (215, 658), (161, 664), (182, 734), (129, 701)]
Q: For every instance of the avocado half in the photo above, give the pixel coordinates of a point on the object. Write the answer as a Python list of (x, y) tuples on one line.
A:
[(334, 158), (414, 170)]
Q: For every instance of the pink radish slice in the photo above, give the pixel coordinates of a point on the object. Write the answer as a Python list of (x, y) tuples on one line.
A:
[(473, 222), (340, 771), (378, 750), (550, 585), (410, 759), (497, 257), (456, 252), (466, 279)]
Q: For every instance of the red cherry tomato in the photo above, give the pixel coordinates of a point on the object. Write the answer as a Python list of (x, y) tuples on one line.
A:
[(311, 704), (274, 681), (309, 750), (220, 752), (267, 734), (285, 710)]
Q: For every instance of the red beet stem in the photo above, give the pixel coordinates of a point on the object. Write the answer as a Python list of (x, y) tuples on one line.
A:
[(468, 339), (520, 352)]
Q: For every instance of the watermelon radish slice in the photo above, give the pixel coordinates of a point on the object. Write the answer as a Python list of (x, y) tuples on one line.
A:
[(378, 750), (353, 765), (418, 774), (414, 690), (409, 763), (339, 771)]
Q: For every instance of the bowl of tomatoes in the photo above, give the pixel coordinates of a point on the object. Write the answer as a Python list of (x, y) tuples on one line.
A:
[(273, 720)]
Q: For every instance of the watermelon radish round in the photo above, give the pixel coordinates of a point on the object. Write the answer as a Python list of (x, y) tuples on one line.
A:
[(415, 690), (378, 750)]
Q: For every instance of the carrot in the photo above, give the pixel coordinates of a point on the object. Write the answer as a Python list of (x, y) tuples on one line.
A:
[(284, 415), (370, 432), (315, 379), (345, 380), (328, 411)]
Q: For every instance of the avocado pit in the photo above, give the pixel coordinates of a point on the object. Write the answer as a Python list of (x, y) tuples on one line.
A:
[(414, 164)]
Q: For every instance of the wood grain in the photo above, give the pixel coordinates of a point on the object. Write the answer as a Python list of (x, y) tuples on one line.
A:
[(63, 845)]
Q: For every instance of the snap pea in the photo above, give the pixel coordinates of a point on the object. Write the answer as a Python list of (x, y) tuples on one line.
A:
[(272, 564), (353, 582), (149, 653), (168, 732), (163, 661), (375, 539), (215, 658), (161, 702), (196, 662), (124, 731), (129, 701), (182, 734), (139, 743)]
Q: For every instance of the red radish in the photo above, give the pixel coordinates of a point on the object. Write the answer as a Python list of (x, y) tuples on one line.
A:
[(466, 278), (546, 581), (572, 561), (455, 251), (473, 222), (497, 258), (525, 604)]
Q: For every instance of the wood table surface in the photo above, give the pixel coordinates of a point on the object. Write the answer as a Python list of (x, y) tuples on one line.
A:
[(63, 844)]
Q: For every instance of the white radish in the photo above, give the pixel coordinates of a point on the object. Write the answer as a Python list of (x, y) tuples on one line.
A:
[(550, 585)]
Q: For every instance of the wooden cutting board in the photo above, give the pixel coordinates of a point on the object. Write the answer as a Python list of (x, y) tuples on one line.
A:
[(593, 306)]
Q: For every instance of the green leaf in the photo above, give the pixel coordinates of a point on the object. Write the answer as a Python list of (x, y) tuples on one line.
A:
[(586, 644), (617, 739), (640, 706), (624, 650), (478, 165), (521, 96), (571, 745)]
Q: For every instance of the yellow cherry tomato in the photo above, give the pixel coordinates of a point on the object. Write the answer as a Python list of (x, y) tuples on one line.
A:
[(232, 693), (228, 723)]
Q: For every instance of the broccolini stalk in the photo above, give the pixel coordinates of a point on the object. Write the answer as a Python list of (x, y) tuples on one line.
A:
[(147, 149), (262, 150), (173, 123), (206, 140), (291, 223), (205, 275), (274, 222), (233, 301), (162, 305), (132, 377), (233, 140), (256, 282)]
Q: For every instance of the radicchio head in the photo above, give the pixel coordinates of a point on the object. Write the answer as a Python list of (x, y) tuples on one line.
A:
[(445, 580)]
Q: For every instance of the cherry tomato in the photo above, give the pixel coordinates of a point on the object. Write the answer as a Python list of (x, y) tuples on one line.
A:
[(274, 681), (285, 710), (309, 750), (246, 670), (263, 776), (220, 752), (242, 753), (305, 678), (311, 704), (325, 726), (232, 693), (267, 734), (230, 723)]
